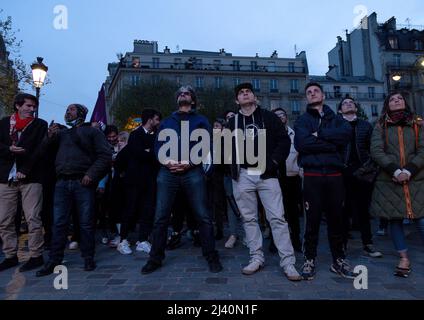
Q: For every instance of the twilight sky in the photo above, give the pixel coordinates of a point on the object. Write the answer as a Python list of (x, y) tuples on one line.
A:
[(77, 57)]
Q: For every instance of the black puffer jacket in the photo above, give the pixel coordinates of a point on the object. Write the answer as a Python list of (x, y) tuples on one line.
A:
[(363, 132), (321, 154)]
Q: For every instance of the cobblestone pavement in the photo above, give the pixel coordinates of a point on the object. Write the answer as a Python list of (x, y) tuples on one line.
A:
[(184, 276)]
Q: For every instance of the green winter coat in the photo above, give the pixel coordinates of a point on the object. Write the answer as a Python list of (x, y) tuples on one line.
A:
[(389, 198)]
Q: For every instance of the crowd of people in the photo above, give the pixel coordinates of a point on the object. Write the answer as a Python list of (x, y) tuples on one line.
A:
[(75, 181)]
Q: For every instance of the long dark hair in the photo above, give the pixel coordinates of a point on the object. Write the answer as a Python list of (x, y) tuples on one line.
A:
[(385, 110)]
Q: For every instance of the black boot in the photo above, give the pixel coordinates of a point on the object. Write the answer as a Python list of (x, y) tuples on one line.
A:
[(150, 267), (174, 241), (9, 263), (215, 265), (32, 264), (47, 269)]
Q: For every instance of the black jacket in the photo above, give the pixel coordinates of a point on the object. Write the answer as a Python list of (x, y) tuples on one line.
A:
[(363, 132), (322, 154), (142, 166), (277, 143), (82, 151), (28, 163)]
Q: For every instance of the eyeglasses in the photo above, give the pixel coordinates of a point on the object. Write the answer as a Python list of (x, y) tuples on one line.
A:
[(186, 93)]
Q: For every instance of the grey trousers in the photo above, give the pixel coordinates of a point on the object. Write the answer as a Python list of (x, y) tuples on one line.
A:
[(270, 194)]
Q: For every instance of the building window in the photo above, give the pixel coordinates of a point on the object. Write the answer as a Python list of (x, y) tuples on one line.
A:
[(294, 86), (256, 83), (236, 65), (418, 45), (396, 60), (216, 64), (178, 63), (393, 43), (218, 82), (374, 110), (236, 81), (135, 80), (198, 64), (253, 65), (353, 92), (199, 82), (155, 63), (135, 62), (371, 92), (271, 66), (155, 79), (273, 85), (295, 107), (291, 66), (337, 92)]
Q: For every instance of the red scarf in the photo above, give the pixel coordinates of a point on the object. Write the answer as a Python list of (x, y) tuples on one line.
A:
[(17, 125)]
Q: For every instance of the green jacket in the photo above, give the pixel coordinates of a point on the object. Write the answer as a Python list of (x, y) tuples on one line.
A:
[(389, 199)]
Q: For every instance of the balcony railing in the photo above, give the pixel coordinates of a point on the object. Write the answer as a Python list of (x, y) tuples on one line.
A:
[(357, 96), (213, 67)]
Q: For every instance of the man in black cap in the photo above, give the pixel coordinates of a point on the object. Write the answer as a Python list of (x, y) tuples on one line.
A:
[(82, 159), (260, 146)]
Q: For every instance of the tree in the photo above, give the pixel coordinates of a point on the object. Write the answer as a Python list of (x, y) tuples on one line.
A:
[(13, 71), (161, 96)]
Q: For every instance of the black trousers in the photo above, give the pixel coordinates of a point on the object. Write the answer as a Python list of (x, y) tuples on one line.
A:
[(323, 194), (140, 202), (217, 199), (356, 207), (293, 204)]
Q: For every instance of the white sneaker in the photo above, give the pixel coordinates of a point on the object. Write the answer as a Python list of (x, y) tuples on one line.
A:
[(73, 245), (231, 242), (252, 268), (115, 242), (144, 246), (124, 247)]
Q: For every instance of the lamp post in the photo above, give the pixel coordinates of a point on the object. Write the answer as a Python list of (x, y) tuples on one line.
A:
[(39, 72)]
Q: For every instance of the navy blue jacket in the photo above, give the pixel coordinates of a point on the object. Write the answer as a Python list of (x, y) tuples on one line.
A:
[(174, 122), (322, 154)]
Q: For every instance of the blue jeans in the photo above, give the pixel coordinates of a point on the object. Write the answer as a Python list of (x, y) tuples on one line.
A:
[(66, 193), (398, 236), (193, 183)]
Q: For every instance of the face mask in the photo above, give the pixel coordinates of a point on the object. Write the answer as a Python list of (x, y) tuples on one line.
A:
[(73, 123)]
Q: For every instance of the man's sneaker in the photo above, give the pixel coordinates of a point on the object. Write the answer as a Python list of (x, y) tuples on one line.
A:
[(144, 246), (115, 242), (196, 238), (9, 263), (47, 269), (124, 247), (73, 245), (231, 242), (342, 268), (174, 241), (371, 252), (89, 264), (252, 268), (32, 264), (150, 267), (291, 273), (381, 232), (308, 270), (215, 265)]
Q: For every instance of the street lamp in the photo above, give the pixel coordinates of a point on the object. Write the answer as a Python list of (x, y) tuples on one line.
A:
[(39, 72)]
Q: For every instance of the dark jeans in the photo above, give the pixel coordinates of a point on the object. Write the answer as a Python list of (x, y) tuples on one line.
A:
[(140, 202), (180, 210), (356, 207), (323, 194), (217, 199), (66, 192), (194, 185), (293, 207)]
